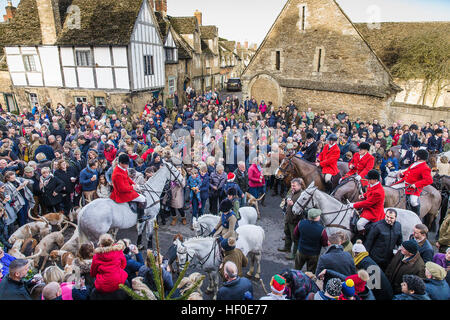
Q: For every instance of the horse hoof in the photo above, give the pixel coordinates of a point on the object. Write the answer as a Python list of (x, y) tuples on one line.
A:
[(249, 274)]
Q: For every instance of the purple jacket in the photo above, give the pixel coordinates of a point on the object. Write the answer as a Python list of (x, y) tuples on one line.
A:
[(439, 258)]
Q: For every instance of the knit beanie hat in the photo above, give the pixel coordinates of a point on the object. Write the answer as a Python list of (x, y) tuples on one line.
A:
[(411, 246), (230, 177), (414, 283), (334, 287), (278, 284), (360, 280), (436, 270), (348, 288), (358, 247)]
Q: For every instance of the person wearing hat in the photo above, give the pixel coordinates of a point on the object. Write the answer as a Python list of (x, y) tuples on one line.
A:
[(410, 136), (372, 202), (328, 160), (310, 148), (123, 186), (226, 228), (333, 290), (361, 163), (277, 287), (408, 158), (311, 236), (348, 291), (435, 285), (230, 184), (435, 144), (231, 253), (415, 178), (407, 261), (413, 288), (232, 196)]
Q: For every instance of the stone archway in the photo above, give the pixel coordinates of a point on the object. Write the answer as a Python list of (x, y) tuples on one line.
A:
[(265, 87)]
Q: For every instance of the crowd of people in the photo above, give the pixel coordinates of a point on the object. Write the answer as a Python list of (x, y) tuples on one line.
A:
[(55, 158)]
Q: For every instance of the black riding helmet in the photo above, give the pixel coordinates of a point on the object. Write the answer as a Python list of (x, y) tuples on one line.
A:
[(124, 159), (364, 146), (373, 175), (422, 154)]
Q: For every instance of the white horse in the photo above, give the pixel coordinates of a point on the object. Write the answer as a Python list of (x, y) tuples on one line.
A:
[(336, 216), (205, 251), (102, 215), (206, 223)]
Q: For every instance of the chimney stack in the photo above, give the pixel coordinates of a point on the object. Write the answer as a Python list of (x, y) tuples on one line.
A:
[(10, 12), (152, 4), (246, 44), (238, 45), (161, 6), (199, 17), (48, 11)]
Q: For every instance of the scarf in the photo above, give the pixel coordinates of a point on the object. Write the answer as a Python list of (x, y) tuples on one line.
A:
[(44, 181), (360, 257)]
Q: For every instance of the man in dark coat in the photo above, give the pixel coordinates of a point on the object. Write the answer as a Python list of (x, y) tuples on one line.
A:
[(407, 260), (383, 237), (235, 288), (336, 259), (310, 148), (408, 159), (435, 142), (12, 286)]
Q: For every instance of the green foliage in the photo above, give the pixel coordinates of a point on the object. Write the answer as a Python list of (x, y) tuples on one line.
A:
[(31, 273)]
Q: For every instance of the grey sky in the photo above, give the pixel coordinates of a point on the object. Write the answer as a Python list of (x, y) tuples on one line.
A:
[(250, 20)]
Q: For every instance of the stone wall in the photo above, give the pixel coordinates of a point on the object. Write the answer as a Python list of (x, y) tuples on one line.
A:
[(136, 101), (356, 106), (5, 86), (408, 113)]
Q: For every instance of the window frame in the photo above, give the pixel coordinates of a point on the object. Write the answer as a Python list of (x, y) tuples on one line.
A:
[(29, 63), (148, 62)]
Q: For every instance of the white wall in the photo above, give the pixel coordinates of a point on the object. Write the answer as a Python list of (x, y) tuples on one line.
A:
[(51, 66)]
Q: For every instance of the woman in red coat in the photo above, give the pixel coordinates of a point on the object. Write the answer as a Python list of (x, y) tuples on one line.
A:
[(256, 181), (108, 265), (372, 202), (328, 159)]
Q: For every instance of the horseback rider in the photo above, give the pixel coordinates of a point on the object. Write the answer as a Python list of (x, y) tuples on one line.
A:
[(124, 187), (310, 148), (408, 159), (328, 160), (361, 163), (372, 202), (415, 178), (226, 228)]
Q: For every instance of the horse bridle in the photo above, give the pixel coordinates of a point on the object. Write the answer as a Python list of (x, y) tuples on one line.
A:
[(311, 195), (283, 171), (191, 258)]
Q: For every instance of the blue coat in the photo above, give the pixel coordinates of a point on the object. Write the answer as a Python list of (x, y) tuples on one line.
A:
[(437, 289), (426, 250), (204, 187), (85, 179), (335, 258), (404, 296), (235, 289), (133, 266), (45, 149)]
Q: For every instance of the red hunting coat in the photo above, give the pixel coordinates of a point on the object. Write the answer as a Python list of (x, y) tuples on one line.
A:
[(361, 167), (329, 158), (373, 205), (419, 175), (122, 186)]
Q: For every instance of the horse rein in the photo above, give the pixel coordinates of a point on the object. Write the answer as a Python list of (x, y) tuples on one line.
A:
[(213, 248)]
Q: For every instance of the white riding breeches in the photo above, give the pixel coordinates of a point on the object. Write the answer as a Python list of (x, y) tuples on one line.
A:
[(140, 198), (414, 200), (328, 177), (360, 225)]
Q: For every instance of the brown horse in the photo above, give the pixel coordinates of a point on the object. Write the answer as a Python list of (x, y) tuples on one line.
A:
[(430, 199), (296, 167)]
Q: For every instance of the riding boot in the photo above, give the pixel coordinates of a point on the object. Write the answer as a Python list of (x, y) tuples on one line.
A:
[(139, 242), (329, 187), (416, 210), (140, 212)]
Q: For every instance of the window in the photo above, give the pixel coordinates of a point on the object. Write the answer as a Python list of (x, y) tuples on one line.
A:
[(33, 99), (319, 60), (278, 60), (100, 101), (28, 61), (172, 82), (171, 55), (83, 58), (80, 100), (148, 66), (302, 17), (11, 102)]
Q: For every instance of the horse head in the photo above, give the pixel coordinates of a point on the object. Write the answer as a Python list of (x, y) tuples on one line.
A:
[(174, 173), (182, 253), (305, 200)]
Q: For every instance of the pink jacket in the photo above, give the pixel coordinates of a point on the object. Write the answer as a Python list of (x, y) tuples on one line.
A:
[(253, 177)]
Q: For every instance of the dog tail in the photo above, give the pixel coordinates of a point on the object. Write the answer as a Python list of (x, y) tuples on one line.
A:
[(35, 255), (70, 223), (31, 217), (260, 198), (65, 227)]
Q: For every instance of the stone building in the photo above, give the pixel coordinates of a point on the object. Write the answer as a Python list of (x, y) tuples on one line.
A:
[(210, 49), (103, 51), (230, 62), (313, 54)]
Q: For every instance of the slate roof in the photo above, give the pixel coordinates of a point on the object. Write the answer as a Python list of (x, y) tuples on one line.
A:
[(208, 32), (184, 25)]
